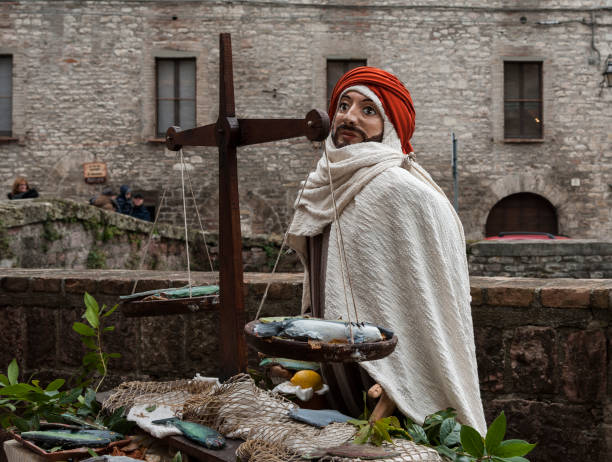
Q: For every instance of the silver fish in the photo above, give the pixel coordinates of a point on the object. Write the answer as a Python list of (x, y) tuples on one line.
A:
[(322, 330)]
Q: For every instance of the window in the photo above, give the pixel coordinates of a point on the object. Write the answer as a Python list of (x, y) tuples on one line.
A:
[(522, 100), (336, 68), (176, 93), (6, 95)]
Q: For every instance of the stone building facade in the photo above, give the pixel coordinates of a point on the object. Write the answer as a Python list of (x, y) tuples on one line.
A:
[(83, 88)]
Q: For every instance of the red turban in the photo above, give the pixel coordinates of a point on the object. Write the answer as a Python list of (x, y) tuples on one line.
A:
[(394, 96)]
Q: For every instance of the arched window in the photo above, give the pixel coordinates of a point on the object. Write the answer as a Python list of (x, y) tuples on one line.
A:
[(522, 212)]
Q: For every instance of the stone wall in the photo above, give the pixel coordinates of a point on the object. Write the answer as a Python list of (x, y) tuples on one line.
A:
[(576, 258), (58, 233), (84, 89), (542, 345)]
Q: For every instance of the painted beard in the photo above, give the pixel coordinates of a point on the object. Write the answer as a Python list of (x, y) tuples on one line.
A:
[(335, 137)]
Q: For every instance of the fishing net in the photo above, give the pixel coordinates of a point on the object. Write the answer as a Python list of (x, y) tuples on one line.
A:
[(172, 394), (240, 409)]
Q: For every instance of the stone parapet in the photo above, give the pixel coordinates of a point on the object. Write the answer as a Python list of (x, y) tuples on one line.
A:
[(572, 258)]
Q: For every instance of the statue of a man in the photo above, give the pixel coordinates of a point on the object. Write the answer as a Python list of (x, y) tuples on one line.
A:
[(404, 249)]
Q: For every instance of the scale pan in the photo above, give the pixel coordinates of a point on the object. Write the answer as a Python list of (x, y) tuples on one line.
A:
[(319, 351)]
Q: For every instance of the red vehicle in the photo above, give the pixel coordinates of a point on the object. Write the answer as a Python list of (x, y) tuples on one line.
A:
[(524, 235)]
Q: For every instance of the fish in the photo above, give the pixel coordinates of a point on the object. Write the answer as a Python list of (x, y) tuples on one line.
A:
[(197, 433), (322, 330), (69, 439)]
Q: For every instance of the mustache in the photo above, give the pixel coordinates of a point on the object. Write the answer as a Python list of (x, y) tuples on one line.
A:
[(353, 129)]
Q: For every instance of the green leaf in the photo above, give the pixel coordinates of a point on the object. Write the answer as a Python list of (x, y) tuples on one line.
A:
[(448, 425), (92, 311), (89, 342), (380, 427), (471, 441), (418, 434), (114, 355), (55, 385), (22, 424), (71, 396), (13, 372), (111, 311), (55, 449), (91, 358), (513, 448), (444, 451), (4, 380), (509, 459), (17, 389), (109, 329), (83, 329), (363, 435), (92, 453), (496, 433), (177, 457)]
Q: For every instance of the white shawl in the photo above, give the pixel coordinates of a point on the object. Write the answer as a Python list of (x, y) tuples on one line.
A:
[(405, 250)]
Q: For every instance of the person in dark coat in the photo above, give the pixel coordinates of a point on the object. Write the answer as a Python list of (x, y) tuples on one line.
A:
[(140, 211), (21, 190), (124, 200)]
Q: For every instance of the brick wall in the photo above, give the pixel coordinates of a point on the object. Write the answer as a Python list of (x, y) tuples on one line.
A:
[(84, 89), (542, 344)]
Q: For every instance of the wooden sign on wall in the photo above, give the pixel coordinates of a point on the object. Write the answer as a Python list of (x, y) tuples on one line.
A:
[(94, 172)]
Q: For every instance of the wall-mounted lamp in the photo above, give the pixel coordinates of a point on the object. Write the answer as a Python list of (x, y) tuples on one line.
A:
[(607, 73)]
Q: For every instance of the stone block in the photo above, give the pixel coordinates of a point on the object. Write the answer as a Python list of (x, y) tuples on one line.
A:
[(490, 355), (48, 285), (510, 296), (70, 349), (533, 360), (563, 432), (600, 298), (41, 338), (115, 287), (476, 293), (80, 285), (163, 341), (13, 329), (125, 339), (584, 374), (15, 284), (565, 297), (202, 344)]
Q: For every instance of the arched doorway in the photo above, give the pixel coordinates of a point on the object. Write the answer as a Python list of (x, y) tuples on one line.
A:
[(522, 212)]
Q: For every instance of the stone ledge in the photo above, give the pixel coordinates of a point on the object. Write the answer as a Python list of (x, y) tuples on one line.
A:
[(533, 248)]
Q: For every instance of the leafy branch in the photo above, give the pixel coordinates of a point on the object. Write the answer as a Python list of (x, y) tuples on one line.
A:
[(91, 336), (441, 431)]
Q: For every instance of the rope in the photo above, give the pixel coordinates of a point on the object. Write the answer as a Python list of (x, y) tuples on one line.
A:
[(340, 243), (146, 249), (185, 220), (195, 205), (263, 299)]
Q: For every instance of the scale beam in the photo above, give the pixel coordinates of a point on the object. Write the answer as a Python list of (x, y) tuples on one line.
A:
[(315, 127), (227, 134)]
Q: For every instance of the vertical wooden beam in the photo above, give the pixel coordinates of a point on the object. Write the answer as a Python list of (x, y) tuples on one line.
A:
[(231, 316)]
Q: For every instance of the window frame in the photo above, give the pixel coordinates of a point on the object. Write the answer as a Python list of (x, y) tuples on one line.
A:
[(8, 134), (176, 60), (540, 99), (347, 66)]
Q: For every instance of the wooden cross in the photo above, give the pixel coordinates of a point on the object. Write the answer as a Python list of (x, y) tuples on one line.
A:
[(227, 134)]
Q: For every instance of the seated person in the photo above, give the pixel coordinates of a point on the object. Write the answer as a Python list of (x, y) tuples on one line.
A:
[(139, 210), (21, 190), (105, 201)]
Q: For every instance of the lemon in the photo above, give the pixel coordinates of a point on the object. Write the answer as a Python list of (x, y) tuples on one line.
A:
[(307, 379)]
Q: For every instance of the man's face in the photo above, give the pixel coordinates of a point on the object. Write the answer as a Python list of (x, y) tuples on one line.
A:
[(356, 120), (138, 201)]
